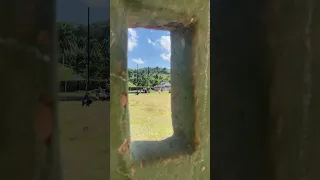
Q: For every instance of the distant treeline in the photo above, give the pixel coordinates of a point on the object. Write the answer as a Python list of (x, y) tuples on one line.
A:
[(155, 76), (73, 42)]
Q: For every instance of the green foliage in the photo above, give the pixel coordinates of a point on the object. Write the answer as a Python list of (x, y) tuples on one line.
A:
[(130, 84), (66, 74), (149, 76), (73, 56), (73, 43)]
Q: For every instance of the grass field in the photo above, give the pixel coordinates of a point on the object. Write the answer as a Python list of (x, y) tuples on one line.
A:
[(150, 116), (84, 152)]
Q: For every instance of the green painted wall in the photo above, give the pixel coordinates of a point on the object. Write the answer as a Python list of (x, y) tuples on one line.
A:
[(189, 154)]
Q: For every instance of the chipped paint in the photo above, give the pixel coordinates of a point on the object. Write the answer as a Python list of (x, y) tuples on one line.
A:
[(44, 120), (124, 100), (169, 16), (125, 147)]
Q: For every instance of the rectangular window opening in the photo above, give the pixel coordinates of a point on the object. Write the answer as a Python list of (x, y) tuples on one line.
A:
[(149, 83)]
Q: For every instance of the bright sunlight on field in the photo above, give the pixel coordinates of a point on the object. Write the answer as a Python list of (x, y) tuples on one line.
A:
[(150, 116), (84, 151)]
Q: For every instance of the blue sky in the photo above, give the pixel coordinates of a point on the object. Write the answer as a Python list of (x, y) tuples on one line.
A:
[(148, 48)]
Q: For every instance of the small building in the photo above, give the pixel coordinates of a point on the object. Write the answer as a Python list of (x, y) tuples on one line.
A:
[(164, 86)]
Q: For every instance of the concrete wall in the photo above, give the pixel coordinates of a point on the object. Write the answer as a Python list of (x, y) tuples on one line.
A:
[(266, 95), (240, 110), (186, 155), (28, 131), (293, 41)]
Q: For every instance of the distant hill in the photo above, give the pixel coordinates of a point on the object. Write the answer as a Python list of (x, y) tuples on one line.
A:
[(75, 11), (156, 76)]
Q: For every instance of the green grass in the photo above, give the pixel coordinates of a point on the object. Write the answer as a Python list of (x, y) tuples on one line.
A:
[(84, 153), (150, 116)]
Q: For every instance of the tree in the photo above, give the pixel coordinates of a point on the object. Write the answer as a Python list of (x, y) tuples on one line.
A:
[(154, 77), (66, 39), (73, 41)]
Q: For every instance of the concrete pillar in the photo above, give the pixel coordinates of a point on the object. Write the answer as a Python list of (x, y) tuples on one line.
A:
[(119, 115), (28, 132), (266, 95), (165, 159)]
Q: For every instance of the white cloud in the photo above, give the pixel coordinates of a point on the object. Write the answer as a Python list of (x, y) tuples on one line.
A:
[(151, 42), (133, 39), (138, 61), (165, 56), (164, 43)]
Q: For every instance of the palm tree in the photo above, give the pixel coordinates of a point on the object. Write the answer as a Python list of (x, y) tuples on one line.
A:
[(66, 42), (66, 39)]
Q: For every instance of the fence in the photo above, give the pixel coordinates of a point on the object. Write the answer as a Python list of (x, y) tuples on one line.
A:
[(138, 88), (80, 85)]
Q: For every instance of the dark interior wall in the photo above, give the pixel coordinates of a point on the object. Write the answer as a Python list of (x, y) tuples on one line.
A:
[(28, 131), (240, 91), (293, 44), (266, 91)]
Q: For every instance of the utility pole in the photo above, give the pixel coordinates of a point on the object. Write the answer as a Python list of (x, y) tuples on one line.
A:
[(137, 75), (148, 80), (88, 50)]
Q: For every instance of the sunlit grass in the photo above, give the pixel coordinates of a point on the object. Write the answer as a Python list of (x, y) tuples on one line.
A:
[(150, 116), (84, 152)]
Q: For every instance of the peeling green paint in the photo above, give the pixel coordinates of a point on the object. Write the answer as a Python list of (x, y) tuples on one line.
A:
[(191, 117)]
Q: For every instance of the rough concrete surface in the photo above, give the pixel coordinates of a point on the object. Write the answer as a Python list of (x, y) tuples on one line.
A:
[(168, 15), (266, 95), (29, 147)]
